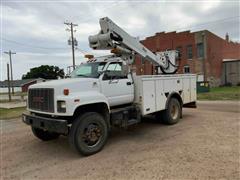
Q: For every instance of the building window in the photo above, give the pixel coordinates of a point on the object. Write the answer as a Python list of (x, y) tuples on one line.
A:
[(189, 52), (200, 50), (179, 49), (186, 69), (142, 60)]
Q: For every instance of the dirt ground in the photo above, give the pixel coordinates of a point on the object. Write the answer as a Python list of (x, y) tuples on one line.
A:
[(205, 144)]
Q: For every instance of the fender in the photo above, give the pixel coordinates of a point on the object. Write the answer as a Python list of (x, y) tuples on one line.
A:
[(95, 99), (175, 95), (76, 100)]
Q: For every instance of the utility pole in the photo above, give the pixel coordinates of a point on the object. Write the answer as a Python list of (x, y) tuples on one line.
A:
[(8, 79), (10, 58), (72, 41)]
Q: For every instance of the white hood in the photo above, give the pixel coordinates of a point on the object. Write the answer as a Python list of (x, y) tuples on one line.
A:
[(73, 84)]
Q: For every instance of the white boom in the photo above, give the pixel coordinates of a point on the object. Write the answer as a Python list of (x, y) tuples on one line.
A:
[(111, 36)]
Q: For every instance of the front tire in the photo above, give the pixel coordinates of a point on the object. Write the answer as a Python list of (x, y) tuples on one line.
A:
[(173, 112), (88, 133), (44, 135)]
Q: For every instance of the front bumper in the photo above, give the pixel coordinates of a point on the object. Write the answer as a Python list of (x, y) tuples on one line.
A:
[(49, 124)]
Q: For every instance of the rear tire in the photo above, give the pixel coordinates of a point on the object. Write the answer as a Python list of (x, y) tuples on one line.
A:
[(44, 135), (173, 112), (88, 133)]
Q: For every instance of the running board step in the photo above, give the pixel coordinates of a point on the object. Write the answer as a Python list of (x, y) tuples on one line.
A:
[(124, 117), (132, 122)]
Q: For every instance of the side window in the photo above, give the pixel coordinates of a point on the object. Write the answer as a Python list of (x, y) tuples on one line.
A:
[(114, 71), (114, 67)]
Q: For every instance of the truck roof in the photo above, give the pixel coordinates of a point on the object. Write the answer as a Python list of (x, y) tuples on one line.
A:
[(107, 58)]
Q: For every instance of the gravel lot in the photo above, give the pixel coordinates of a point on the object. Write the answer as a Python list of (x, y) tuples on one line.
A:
[(203, 145)]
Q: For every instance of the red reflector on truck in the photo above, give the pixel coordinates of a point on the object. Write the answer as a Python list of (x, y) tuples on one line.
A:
[(66, 92)]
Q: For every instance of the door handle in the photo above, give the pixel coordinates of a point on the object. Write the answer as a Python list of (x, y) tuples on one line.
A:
[(113, 81), (129, 83)]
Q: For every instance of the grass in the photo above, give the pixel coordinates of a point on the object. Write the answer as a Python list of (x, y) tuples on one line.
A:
[(11, 113), (15, 94), (13, 100), (221, 93)]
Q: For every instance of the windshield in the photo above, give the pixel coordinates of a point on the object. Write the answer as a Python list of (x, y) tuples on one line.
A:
[(91, 70)]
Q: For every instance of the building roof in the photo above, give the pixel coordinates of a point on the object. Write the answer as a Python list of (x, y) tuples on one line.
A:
[(18, 83), (230, 60), (189, 32)]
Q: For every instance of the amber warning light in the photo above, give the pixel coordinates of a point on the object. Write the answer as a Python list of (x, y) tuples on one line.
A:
[(89, 56)]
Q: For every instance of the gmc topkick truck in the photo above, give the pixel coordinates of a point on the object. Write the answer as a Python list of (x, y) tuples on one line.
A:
[(104, 92)]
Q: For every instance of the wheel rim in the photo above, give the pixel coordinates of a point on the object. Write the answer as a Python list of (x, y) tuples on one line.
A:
[(92, 134), (174, 111)]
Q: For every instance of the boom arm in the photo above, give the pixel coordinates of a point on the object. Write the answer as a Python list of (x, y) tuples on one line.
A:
[(111, 36)]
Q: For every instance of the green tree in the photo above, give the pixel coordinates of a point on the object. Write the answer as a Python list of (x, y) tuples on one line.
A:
[(45, 72)]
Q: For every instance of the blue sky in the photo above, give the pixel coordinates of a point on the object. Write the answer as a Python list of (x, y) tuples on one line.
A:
[(35, 29)]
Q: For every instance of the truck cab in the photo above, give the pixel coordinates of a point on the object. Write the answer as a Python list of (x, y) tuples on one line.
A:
[(97, 85), (94, 81)]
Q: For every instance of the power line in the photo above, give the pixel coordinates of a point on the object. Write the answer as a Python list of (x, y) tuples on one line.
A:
[(84, 52), (84, 20), (210, 22), (40, 47), (32, 46)]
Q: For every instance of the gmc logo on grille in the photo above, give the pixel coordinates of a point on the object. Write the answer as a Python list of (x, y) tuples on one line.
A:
[(38, 99)]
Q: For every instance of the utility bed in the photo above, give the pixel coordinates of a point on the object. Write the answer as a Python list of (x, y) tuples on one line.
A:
[(152, 91)]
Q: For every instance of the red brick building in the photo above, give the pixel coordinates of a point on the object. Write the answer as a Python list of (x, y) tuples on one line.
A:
[(202, 53)]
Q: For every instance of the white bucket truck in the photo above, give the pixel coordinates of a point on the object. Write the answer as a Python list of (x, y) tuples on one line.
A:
[(103, 93)]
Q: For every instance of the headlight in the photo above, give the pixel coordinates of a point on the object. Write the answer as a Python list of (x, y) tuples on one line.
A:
[(61, 106)]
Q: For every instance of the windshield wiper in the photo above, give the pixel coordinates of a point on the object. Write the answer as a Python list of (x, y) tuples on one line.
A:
[(82, 75)]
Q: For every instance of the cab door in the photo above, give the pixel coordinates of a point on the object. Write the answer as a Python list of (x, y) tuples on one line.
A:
[(117, 85)]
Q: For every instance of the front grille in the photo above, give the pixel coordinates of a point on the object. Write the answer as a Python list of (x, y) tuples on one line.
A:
[(41, 99)]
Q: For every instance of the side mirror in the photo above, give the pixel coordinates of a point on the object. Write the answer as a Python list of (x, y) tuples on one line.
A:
[(100, 71)]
